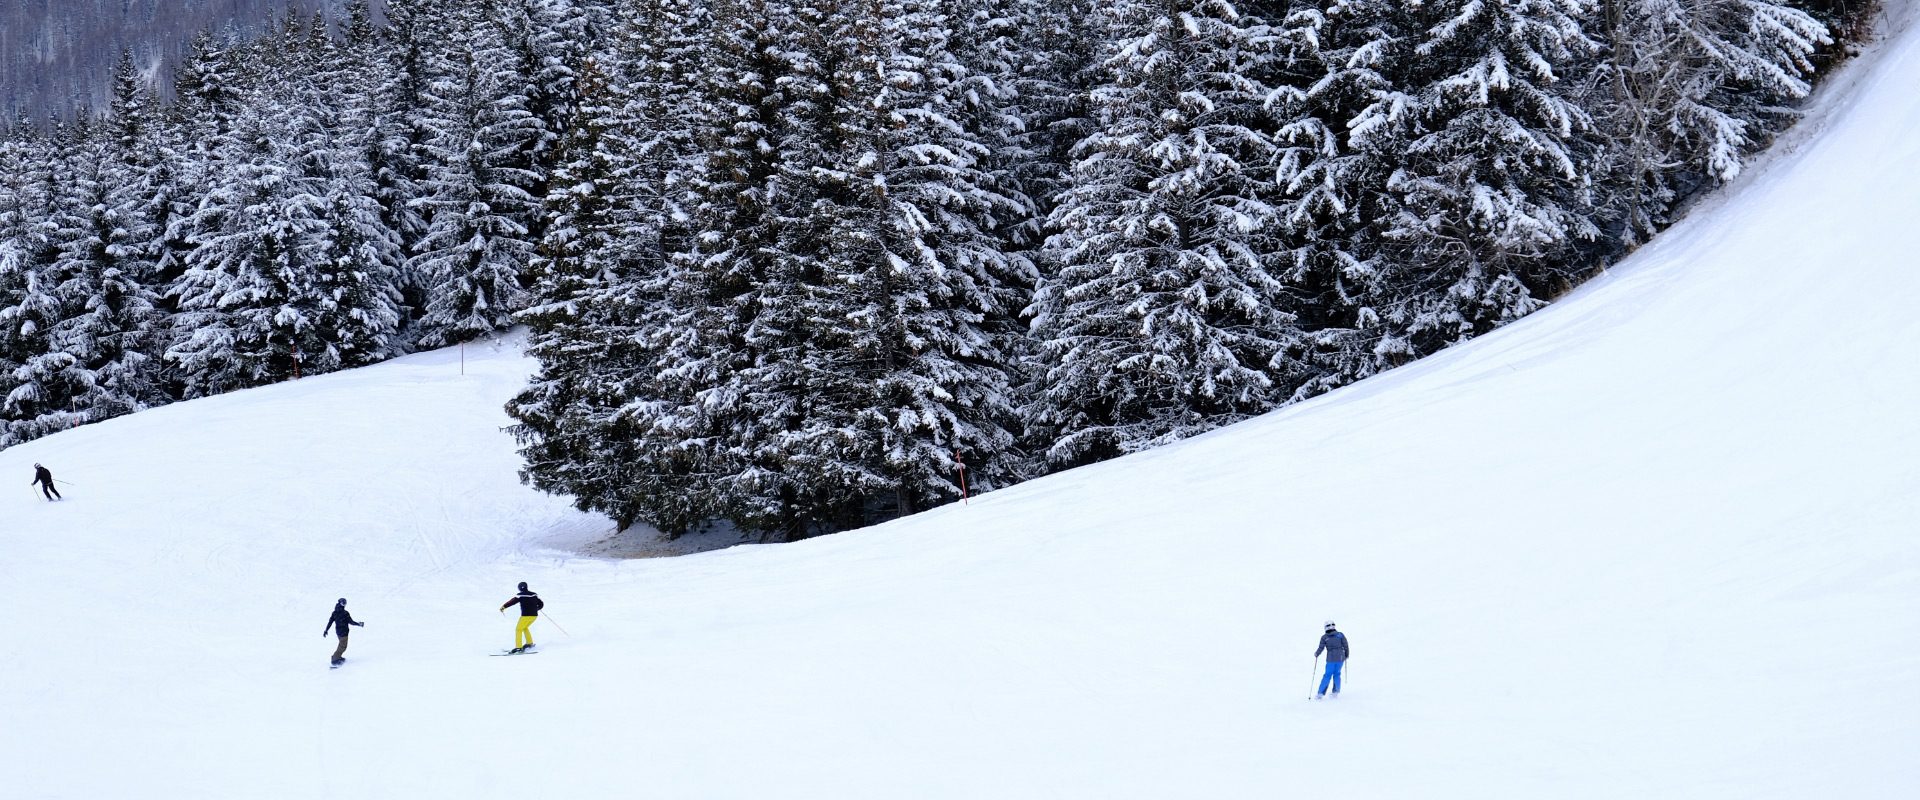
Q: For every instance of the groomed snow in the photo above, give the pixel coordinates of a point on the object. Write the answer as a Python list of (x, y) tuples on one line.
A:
[(1660, 540)]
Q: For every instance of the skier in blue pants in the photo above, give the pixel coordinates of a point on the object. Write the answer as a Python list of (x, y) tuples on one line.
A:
[(1334, 644)]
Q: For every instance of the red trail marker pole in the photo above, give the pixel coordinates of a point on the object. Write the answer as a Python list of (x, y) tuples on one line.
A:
[(960, 469)]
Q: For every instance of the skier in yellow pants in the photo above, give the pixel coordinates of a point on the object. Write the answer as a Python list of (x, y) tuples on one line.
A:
[(530, 605)]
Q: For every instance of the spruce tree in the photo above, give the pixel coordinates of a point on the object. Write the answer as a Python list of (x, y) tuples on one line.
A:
[(580, 332), (108, 255), (908, 318), (1162, 318), (474, 255), (385, 79), (29, 190), (1490, 194), (1325, 67), (356, 255), (1687, 89), (291, 268), (727, 324), (208, 94), (602, 275)]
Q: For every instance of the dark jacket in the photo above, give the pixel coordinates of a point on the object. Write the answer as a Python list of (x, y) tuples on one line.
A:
[(42, 475), (340, 620), (1334, 643), (529, 603)]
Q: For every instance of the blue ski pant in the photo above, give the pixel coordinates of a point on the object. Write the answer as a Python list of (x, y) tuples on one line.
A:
[(1333, 676)]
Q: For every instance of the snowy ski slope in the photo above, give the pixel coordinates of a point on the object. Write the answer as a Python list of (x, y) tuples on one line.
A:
[(1660, 540)]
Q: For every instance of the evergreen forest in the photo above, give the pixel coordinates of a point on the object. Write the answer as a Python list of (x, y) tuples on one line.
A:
[(806, 265)]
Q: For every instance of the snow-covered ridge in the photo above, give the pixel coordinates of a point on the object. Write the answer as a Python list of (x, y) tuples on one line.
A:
[(1655, 541)]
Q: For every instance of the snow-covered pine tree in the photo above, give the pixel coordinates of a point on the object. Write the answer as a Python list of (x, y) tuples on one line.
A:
[(28, 191), (208, 98), (874, 350), (923, 260), (1018, 89), (385, 78), (18, 161), (14, 226), (149, 192), (1163, 319), (567, 268), (602, 275), (207, 88), (134, 139), (549, 40), (668, 55), (582, 335), (150, 149), (98, 361), (1489, 196), (473, 257), (664, 55), (729, 331), (1046, 56), (1324, 70), (354, 253), (987, 41), (44, 377), (234, 328), (1686, 90), (290, 269), (1046, 53), (585, 207)]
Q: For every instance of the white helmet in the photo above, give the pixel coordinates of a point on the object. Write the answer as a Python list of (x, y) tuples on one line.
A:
[(1329, 624)]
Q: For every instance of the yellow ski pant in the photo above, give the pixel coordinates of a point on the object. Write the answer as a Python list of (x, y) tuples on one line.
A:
[(521, 635)]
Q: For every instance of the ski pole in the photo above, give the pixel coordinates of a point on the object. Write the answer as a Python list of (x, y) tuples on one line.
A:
[(549, 618), (1313, 675)]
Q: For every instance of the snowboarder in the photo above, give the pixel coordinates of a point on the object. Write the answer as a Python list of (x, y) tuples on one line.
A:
[(44, 477), (339, 622), (1334, 644), (530, 605)]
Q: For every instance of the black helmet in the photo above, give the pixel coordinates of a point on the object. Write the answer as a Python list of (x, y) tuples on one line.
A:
[(523, 586), (341, 602)]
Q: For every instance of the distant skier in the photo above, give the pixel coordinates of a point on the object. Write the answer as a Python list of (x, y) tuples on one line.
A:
[(338, 623), (1334, 644), (44, 477), (530, 605)]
